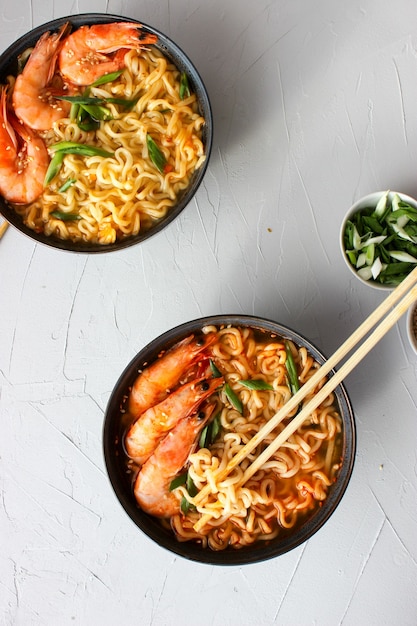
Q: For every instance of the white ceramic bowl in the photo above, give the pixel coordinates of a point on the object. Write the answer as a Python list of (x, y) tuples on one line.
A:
[(412, 326), (369, 201)]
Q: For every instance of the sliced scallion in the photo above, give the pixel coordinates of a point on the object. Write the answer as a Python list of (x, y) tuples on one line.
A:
[(256, 385), (215, 372), (155, 154), (210, 432), (291, 369), (72, 147), (184, 86), (107, 78), (68, 183), (53, 167), (178, 481), (65, 217), (233, 398)]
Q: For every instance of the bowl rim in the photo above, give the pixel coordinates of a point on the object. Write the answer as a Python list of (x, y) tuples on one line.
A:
[(412, 337), (362, 203), (171, 49), (148, 525)]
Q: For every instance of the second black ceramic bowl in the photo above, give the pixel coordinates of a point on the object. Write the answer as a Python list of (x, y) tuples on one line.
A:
[(8, 66), (115, 457)]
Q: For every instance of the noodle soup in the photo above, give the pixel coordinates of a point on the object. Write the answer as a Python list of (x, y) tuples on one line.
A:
[(292, 491), (147, 126)]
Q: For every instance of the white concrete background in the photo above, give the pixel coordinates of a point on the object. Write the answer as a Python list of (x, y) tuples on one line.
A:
[(314, 105)]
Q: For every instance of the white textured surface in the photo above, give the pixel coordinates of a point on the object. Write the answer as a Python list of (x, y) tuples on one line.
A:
[(314, 106)]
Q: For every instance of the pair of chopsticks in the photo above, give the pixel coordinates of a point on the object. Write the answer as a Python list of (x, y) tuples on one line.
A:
[(407, 290)]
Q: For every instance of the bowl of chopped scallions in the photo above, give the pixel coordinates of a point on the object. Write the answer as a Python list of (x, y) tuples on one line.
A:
[(379, 238)]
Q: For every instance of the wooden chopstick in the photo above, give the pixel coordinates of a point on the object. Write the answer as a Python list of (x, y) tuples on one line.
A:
[(399, 292), (3, 227)]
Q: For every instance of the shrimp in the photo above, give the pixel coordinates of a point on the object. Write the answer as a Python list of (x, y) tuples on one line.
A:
[(153, 425), (36, 88), (156, 380), (151, 487), (24, 158), (85, 54)]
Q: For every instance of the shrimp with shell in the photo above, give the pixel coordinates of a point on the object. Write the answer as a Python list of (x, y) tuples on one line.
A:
[(24, 158), (152, 484), (156, 380), (154, 424), (38, 86), (92, 51)]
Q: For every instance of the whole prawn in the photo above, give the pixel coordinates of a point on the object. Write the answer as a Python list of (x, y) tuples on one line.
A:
[(154, 424), (24, 158), (36, 88), (156, 380), (151, 487), (87, 53)]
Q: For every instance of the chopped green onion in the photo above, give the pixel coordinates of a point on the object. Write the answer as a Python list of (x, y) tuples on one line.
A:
[(400, 255), (71, 147), (86, 101), (184, 86), (291, 369), (191, 488), (66, 185), (107, 78), (233, 398), (98, 112), (53, 167), (210, 432), (186, 506), (215, 372), (178, 481), (156, 155), (65, 217), (381, 205), (256, 385)]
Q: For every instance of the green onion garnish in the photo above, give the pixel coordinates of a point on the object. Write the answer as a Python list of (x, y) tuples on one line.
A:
[(215, 372), (157, 157), (107, 78), (178, 481), (71, 147), (65, 217), (53, 167), (292, 370), (232, 397), (210, 432), (66, 185), (256, 385), (184, 86)]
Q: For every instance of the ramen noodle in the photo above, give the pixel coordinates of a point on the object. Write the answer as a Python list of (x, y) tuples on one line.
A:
[(293, 483), (100, 199)]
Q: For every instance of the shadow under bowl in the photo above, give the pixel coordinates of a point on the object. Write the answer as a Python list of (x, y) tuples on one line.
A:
[(115, 457), (9, 66)]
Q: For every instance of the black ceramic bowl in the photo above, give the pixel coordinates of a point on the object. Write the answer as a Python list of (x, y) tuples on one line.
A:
[(8, 66), (114, 454)]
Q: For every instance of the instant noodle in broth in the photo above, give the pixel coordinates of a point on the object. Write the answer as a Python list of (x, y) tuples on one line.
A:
[(292, 485), (148, 144)]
